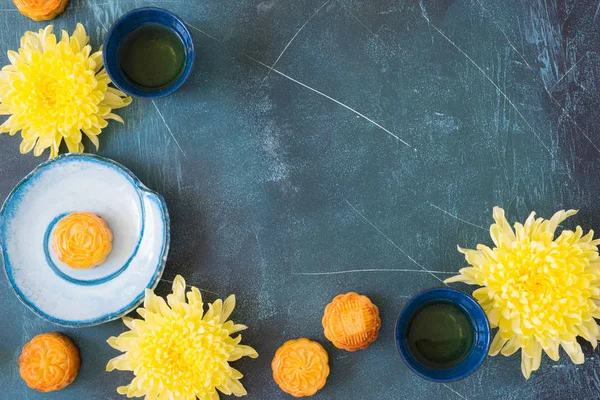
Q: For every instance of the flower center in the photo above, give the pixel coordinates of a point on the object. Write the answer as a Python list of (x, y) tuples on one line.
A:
[(536, 284), (49, 92)]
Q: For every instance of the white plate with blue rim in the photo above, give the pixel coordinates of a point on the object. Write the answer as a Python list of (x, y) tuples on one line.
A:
[(137, 216)]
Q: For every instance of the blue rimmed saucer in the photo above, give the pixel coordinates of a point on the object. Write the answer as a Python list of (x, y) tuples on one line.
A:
[(137, 217)]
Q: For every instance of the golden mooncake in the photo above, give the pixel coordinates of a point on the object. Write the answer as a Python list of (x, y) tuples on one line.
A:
[(300, 367), (49, 362), (82, 240), (41, 10), (351, 321)]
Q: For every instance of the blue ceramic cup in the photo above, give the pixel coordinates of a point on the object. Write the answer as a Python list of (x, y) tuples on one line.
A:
[(125, 26), (481, 338)]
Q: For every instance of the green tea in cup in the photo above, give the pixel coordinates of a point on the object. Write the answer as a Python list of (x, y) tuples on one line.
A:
[(152, 56), (440, 335)]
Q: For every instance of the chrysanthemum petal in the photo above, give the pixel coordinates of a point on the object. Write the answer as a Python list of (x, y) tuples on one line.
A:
[(80, 35), (123, 389), (72, 144), (511, 347), (459, 278), (121, 363), (114, 117), (242, 351), (236, 387), (501, 230), (93, 139), (233, 328), (228, 307), (551, 347), (194, 297), (573, 349), (179, 288), (497, 344), (526, 366), (26, 146)]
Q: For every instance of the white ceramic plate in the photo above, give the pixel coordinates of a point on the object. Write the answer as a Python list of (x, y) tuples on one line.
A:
[(137, 217)]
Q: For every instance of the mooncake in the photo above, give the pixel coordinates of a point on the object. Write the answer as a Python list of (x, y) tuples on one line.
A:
[(41, 10), (300, 367), (49, 362), (351, 321), (82, 240)]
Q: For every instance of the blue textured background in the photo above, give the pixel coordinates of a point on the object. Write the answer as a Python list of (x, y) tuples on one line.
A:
[(383, 136)]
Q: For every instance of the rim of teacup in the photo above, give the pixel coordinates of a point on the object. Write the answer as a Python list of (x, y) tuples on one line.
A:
[(111, 60), (478, 353)]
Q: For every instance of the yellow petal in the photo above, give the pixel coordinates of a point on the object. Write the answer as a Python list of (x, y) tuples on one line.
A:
[(114, 117), (526, 366), (497, 344), (459, 278), (511, 347), (26, 146), (574, 351), (228, 307)]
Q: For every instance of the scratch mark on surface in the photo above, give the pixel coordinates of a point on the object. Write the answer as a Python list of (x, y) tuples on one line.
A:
[(310, 88), (351, 271), (391, 241), (454, 391), (189, 286), (572, 366), (503, 95), (266, 309), (79, 7), (169, 129), (561, 78), (204, 33), (294, 37), (456, 217), (515, 49), (350, 13), (568, 71), (597, 11), (97, 16), (505, 35), (572, 120), (424, 11), (334, 100), (424, 14)]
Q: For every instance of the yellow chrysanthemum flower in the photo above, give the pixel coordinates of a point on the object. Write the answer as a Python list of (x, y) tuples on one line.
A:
[(179, 352), (57, 90), (540, 292)]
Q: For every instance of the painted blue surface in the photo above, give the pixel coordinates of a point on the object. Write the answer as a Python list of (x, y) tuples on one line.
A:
[(127, 24), (270, 175), (481, 328)]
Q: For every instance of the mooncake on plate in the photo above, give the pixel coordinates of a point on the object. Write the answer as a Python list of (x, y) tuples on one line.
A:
[(82, 240)]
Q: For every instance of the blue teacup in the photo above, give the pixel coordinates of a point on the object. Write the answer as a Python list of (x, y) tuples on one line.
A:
[(481, 335), (123, 27)]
